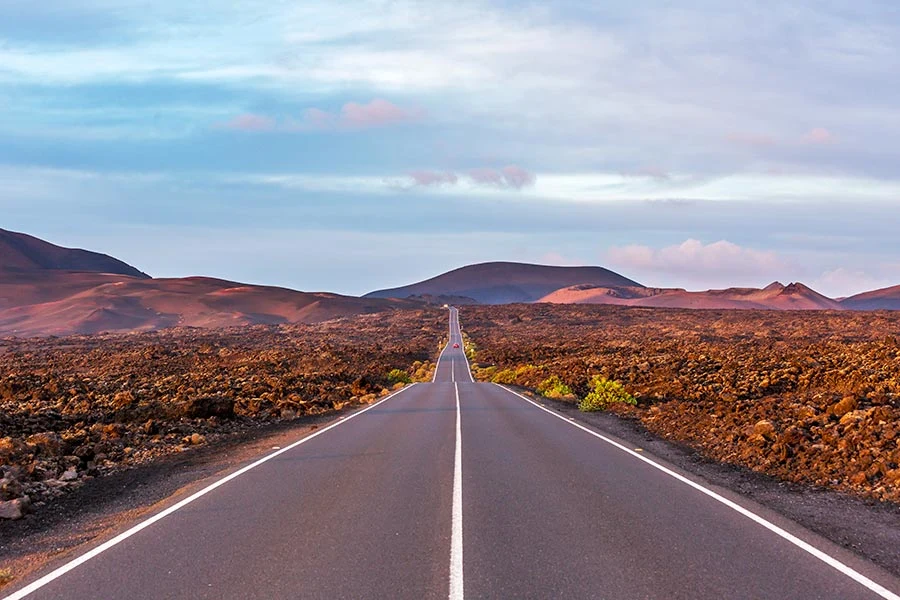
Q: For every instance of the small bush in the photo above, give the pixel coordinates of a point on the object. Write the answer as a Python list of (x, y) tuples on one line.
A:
[(553, 387), (470, 349), (483, 373), (422, 371), (505, 377), (399, 376), (603, 393)]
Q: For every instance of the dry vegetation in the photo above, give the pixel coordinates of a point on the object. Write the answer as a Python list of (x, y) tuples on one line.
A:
[(812, 397), (78, 407)]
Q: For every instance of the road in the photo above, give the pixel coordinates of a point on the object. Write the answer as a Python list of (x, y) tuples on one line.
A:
[(458, 489)]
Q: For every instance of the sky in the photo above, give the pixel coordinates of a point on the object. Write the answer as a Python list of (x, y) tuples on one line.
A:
[(356, 145)]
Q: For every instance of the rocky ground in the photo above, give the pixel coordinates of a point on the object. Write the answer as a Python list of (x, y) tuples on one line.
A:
[(812, 398), (76, 408)]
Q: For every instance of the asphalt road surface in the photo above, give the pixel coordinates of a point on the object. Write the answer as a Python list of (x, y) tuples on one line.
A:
[(458, 489)]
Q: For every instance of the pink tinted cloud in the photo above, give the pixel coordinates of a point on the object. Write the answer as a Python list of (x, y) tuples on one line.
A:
[(353, 115), (433, 178), (517, 177), (511, 176), (693, 257), (377, 113), (819, 136), (250, 122), (486, 176)]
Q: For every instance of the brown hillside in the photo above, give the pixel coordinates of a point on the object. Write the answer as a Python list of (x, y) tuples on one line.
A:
[(883, 299), (21, 252), (73, 303)]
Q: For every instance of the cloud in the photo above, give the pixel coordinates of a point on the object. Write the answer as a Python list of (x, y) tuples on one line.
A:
[(432, 178), (510, 176), (377, 113), (352, 117), (693, 257), (517, 177), (250, 122), (845, 281), (819, 136)]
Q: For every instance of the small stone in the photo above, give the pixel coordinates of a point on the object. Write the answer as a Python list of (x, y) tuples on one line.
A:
[(765, 429), (847, 404), (15, 509), (47, 443), (197, 439), (70, 474)]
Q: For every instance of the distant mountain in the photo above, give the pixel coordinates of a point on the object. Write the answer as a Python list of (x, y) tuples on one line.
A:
[(131, 304), (506, 282), (775, 296), (21, 252), (49, 290), (883, 299)]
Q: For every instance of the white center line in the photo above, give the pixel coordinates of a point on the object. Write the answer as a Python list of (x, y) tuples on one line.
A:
[(456, 535)]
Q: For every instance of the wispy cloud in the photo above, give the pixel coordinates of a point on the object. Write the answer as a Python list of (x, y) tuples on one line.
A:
[(433, 178), (377, 113), (352, 116), (510, 177), (693, 257)]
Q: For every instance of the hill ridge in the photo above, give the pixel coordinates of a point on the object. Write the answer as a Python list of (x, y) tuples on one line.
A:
[(502, 282), (23, 252)]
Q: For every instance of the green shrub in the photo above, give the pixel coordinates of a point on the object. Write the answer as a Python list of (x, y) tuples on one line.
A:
[(483, 373), (524, 372), (505, 377), (553, 387), (399, 376), (603, 393)]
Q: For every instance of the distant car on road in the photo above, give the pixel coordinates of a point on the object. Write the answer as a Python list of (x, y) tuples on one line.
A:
[(456, 345)]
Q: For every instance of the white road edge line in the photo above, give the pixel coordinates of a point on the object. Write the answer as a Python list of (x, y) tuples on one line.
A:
[(456, 535), (807, 547), (59, 572)]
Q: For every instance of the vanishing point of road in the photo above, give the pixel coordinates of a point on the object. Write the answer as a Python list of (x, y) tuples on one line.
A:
[(456, 489)]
